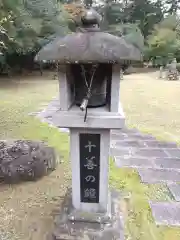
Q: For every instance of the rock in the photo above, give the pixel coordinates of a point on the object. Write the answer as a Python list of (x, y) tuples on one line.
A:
[(173, 75), (24, 160)]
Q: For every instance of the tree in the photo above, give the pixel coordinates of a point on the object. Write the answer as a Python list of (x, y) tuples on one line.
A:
[(6, 25), (26, 25), (31, 22), (147, 13), (165, 38), (75, 12), (172, 6)]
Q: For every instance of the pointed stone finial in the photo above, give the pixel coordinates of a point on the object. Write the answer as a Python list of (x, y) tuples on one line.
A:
[(91, 17)]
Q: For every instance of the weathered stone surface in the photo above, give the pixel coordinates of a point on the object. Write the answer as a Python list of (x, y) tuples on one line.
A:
[(134, 162), (23, 160), (132, 134), (167, 163), (140, 152), (141, 137), (175, 191), (120, 136), (79, 230), (158, 144), (94, 45), (140, 162), (126, 130), (173, 152), (166, 213), (159, 175), (130, 143), (124, 152), (153, 152)]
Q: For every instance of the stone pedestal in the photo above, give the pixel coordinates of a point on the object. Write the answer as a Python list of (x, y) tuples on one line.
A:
[(108, 229), (91, 208)]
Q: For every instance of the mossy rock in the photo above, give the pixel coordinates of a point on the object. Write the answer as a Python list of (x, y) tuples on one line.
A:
[(24, 160)]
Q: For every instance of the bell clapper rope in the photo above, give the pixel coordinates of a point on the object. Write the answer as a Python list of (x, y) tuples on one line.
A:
[(85, 101)]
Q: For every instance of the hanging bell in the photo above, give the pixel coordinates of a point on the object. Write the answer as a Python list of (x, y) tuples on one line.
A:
[(90, 84)]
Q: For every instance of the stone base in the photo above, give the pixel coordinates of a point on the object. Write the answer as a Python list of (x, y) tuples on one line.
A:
[(83, 226), (92, 217), (173, 76)]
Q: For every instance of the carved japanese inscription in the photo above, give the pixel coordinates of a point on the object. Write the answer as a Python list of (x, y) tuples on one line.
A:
[(89, 167)]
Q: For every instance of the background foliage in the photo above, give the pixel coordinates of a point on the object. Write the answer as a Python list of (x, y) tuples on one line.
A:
[(26, 25)]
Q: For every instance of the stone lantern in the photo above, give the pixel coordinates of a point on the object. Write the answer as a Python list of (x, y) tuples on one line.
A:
[(173, 73), (89, 105)]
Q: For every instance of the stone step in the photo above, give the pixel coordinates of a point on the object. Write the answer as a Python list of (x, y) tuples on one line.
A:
[(126, 136), (155, 163), (128, 143), (153, 175), (133, 162), (141, 152), (166, 213), (126, 130), (167, 163), (140, 143), (174, 188), (90, 226)]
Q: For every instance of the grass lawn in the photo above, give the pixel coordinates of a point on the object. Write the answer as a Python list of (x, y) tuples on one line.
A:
[(26, 210)]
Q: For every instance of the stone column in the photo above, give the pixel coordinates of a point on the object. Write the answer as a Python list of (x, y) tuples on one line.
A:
[(173, 73), (121, 74), (89, 155), (161, 72)]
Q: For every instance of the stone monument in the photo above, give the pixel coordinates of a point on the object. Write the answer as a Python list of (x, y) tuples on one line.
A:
[(89, 105), (172, 70), (121, 74), (161, 69)]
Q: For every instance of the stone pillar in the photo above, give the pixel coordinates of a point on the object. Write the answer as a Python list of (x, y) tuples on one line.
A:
[(121, 74), (173, 73), (161, 72), (89, 157)]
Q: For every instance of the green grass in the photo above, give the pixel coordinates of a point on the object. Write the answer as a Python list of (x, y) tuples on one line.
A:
[(139, 221), (150, 105)]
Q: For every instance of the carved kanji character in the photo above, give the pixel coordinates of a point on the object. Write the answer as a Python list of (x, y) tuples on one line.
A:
[(90, 178), (90, 193), (90, 164), (90, 146)]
